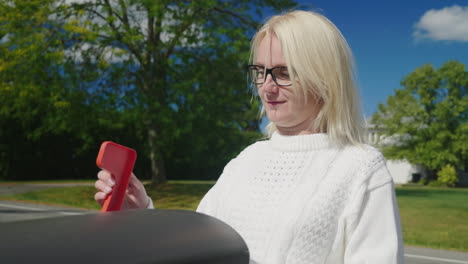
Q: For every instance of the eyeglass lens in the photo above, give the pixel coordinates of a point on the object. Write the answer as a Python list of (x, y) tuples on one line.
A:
[(280, 75)]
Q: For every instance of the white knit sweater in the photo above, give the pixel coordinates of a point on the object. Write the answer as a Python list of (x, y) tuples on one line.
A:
[(300, 199)]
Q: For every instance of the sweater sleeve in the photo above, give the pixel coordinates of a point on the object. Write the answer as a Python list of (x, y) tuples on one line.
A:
[(208, 204), (375, 230), (150, 203), (211, 201)]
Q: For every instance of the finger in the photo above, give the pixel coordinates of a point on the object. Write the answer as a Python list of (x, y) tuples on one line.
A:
[(106, 176), (100, 197), (133, 181), (132, 200), (102, 186)]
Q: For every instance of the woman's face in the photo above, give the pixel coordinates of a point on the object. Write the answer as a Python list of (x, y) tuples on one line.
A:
[(290, 113)]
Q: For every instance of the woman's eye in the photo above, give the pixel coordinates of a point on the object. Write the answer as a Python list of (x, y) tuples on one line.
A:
[(284, 75)]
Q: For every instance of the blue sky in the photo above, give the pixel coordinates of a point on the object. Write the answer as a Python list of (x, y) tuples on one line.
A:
[(390, 39)]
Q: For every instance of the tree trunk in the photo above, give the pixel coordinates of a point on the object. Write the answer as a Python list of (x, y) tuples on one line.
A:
[(151, 82), (158, 170)]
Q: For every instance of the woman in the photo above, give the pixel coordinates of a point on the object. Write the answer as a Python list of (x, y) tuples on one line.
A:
[(313, 192)]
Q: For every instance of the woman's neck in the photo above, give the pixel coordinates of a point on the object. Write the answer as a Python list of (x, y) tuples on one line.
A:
[(304, 128)]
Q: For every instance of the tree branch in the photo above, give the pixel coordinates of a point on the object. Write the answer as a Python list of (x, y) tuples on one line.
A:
[(178, 34), (237, 16), (119, 36)]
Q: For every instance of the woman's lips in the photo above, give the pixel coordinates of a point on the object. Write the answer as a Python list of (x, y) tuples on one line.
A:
[(275, 102)]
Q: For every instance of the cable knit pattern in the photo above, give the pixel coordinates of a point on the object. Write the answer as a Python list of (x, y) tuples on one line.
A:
[(290, 197)]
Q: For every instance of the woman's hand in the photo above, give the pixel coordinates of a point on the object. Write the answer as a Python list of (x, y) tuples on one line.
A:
[(135, 196)]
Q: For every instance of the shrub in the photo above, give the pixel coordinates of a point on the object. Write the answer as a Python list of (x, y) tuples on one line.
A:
[(447, 176), (423, 181), (436, 183)]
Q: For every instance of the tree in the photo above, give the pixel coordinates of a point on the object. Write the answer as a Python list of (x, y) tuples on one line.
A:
[(30, 86), (425, 122), (164, 75), (158, 42), (50, 116)]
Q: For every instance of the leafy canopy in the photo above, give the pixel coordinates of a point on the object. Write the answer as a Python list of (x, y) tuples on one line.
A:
[(426, 121)]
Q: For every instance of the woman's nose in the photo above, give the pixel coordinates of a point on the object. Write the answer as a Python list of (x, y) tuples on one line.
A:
[(269, 85)]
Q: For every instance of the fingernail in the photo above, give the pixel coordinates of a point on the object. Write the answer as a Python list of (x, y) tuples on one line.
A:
[(111, 182), (108, 189)]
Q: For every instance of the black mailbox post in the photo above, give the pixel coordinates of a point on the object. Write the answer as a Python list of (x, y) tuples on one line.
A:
[(135, 236)]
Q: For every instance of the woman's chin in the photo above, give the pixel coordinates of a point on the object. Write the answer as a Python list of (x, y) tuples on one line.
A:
[(275, 119)]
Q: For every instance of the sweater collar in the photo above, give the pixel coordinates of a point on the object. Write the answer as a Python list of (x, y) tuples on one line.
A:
[(300, 142)]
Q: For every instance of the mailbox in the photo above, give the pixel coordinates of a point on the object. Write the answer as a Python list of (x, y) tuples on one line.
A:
[(133, 236)]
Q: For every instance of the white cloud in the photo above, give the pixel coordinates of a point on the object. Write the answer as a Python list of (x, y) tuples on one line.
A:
[(449, 23)]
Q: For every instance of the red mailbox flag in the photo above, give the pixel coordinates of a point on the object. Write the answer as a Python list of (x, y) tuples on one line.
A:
[(119, 161)]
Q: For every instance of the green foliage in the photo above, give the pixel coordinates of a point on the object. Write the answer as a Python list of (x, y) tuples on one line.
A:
[(163, 77), (436, 183), (52, 122), (425, 122), (447, 176), (423, 181), (183, 65)]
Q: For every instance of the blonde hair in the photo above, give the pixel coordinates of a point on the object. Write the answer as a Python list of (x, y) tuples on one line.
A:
[(320, 63)]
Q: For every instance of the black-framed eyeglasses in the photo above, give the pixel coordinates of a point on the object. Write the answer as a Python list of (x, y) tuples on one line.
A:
[(257, 74)]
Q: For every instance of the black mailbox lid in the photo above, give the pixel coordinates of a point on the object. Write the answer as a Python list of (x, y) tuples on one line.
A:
[(133, 236)]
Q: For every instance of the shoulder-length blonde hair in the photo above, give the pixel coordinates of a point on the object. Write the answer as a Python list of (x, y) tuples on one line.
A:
[(320, 63)]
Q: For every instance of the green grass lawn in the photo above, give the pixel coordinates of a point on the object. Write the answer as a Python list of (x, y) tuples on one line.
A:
[(431, 217), (434, 217), (79, 196), (174, 195)]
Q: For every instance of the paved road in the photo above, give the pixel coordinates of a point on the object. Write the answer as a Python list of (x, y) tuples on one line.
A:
[(7, 189), (417, 255), (17, 211), (11, 211)]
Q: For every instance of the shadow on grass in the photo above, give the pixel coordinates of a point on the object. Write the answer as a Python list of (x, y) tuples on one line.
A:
[(179, 189), (177, 196), (412, 193), (428, 191)]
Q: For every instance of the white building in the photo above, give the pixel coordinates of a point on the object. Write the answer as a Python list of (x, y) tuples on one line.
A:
[(401, 170)]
